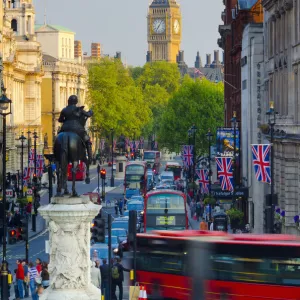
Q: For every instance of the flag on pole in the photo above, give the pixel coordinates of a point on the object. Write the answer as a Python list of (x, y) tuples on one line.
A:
[(261, 162), (203, 180), (188, 155), (115, 143), (142, 142), (137, 143), (225, 173), (131, 144), (102, 144)]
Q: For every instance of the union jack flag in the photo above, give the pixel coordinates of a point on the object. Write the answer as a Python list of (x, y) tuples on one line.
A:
[(131, 144), (224, 167), (137, 143), (187, 155), (142, 142), (126, 142), (261, 162), (203, 180), (26, 176)]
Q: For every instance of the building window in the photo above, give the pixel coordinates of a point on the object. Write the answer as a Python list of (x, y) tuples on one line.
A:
[(244, 84), (14, 25), (69, 42), (62, 41), (63, 52)]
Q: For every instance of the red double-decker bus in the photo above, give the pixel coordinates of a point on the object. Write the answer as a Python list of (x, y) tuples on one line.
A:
[(135, 181), (216, 265), (80, 173), (165, 210), (176, 168)]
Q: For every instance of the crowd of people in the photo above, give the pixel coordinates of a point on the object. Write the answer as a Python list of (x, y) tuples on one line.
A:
[(29, 279), (100, 277)]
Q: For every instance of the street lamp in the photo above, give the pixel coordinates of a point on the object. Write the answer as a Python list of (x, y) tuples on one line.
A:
[(193, 131), (209, 137), (234, 123), (271, 113), (35, 137), (5, 104), (112, 179), (22, 138), (28, 145)]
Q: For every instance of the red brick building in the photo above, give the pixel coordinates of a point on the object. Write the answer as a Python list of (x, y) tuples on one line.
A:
[(236, 15)]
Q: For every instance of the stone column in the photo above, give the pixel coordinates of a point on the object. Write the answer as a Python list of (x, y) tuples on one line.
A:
[(69, 222)]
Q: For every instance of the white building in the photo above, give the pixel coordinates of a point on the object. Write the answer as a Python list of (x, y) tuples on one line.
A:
[(252, 116), (57, 41)]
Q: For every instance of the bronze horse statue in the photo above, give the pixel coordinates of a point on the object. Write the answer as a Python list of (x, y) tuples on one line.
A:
[(69, 148)]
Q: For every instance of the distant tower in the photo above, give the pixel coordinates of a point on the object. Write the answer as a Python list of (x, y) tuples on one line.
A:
[(208, 60), (164, 30), (77, 49), (95, 50), (198, 62), (21, 15)]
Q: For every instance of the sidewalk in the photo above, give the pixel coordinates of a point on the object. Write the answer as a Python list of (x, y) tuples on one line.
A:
[(40, 226)]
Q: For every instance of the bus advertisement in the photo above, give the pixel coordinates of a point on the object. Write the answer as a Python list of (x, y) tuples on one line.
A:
[(152, 158), (80, 173), (216, 265), (135, 181), (174, 167), (165, 210)]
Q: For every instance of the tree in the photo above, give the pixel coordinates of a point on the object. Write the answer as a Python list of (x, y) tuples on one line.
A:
[(199, 102), (115, 99), (136, 72)]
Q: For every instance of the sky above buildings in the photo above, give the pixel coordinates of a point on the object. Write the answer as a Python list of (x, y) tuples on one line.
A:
[(121, 25)]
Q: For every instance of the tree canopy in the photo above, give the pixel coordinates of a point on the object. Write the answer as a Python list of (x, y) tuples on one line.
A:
[(199, 102), (116, 100)]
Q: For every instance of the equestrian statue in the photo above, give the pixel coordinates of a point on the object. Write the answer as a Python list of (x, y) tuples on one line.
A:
[(72, 145)]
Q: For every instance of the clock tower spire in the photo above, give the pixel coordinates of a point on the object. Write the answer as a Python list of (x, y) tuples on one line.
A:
[(164, 30)]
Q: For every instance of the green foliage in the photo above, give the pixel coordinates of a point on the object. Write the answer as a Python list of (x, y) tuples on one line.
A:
[(22, 202), (196, 102), (209, 200), (115, 99), (235, 215), (135, 72)]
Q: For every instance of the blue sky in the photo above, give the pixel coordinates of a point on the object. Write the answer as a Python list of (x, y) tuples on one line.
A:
[(120, 25)]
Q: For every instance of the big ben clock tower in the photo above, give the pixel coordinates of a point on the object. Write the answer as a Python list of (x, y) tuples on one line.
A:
[(164, 30)]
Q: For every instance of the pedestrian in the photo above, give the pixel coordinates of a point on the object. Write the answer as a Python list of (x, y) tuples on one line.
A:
[(20, 278), (198, 210), (33, 274), (39, 291), (104, 269), (116, 207), (211, 226), (117, 274), (97, 262), (203, 225), (26, 278), (38, 263), (45, 276), (95, 275), (192, 208), (121, 207), (15, 283)]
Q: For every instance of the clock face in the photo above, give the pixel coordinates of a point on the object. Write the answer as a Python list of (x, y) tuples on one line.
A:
[(159, 26), (176, 26)]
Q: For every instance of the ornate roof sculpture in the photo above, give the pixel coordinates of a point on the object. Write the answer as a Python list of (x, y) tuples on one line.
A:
[(164, 3)]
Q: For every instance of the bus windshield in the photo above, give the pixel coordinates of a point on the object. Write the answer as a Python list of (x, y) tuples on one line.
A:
[(135, 206), (149, 155), (135, 170), (165, 203), (175, 169)]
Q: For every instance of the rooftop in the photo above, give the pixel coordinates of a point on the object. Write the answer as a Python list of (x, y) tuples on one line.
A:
[(46, 27), (164, 3)]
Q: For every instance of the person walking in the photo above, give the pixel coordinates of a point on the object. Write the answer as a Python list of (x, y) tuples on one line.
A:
[(211, 226), (38, 265), (33, 273), (45, 276), (203, 225), (104, 270), (117, 274), (26, 278), (20, 278), (198, 210), (121, 207), (95, 275), (192, 208)]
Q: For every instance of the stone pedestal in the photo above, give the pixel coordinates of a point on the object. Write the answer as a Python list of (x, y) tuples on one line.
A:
[(69, 222), (120, 167)]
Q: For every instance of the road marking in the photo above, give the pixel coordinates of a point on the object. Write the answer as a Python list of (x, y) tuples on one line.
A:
[(93, 178), (39, 235)]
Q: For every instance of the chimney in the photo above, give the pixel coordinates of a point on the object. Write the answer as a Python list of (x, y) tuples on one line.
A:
[(95, 50), (77, 49), (118, 55), (181, 56), (216, 57), (208, 60), (198, 61)]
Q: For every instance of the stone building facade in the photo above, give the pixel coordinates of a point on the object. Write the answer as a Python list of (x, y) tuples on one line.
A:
[(22, 75), (282, 85)]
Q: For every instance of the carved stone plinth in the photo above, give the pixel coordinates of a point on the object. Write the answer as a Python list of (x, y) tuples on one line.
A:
[(69, 239)]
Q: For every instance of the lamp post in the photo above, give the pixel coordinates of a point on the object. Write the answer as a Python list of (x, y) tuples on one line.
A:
[(234, 121), (28, 145), (35, 137), (22, 138), (193, 130), (209, 137), (5, 104), (271, 113), (112, 179)]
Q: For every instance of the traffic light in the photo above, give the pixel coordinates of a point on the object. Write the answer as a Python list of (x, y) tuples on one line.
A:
[(103, 174), (12, 236), (24, 228), (98, 231)]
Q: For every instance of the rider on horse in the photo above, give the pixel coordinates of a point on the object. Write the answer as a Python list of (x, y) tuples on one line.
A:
[(70, 117)]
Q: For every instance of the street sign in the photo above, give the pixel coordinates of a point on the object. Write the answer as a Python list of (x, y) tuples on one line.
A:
[(9, 193), (29, 192)]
